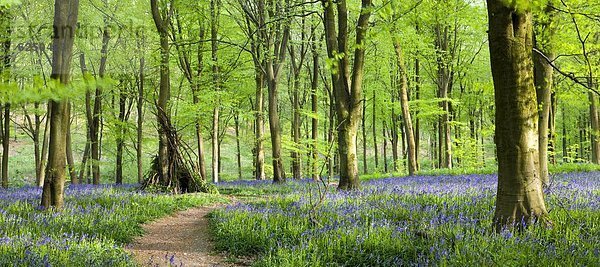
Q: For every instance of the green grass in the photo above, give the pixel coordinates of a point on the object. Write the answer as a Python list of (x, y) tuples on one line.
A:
[(92, 229), (440, 221)]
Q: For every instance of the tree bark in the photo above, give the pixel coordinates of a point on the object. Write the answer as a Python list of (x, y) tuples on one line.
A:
[(214, 30), (520, 197), (45, 143), (543, 79), (364, 136), (69, 151), (444, 80), (385, 143), (315, 108), (65, 21), (408, 127), (6, 28), (120, 140), (162, 20), (5, 145), (347, 85), (259, 149), (237, 145), (374, 127), (140, 118)]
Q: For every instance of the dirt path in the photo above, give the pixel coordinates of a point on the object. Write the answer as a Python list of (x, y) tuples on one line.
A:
[(179, 240)]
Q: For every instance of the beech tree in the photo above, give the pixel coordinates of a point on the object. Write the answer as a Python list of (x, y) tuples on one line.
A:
[(519, 195), (65, 23), (346, 82)]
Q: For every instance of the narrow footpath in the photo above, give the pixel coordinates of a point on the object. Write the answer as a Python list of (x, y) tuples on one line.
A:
[(182, 239)]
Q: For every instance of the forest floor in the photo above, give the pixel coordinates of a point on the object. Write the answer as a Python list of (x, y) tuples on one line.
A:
[(182, 239)]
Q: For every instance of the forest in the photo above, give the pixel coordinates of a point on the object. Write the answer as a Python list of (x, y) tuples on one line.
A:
[(299, 133)]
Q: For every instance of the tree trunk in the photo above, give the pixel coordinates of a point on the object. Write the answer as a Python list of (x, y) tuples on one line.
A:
[(296, 159), (595, 126), (259, 149), (89, 119), (520, 196), (564, 137), (543, 79), (5, 145), (315, 109), (139, 153), (120, 140), (95, 126), (552, 130), (65, 20), (6, 28), (45, 142), (408, 127), (69, 151), (374, 127), (395, 139), (364, 136), (214, 30), (164, 95), (36, 144), (237, 143), (444, 80), (278, 170), (347, 84), (417, 97), (385, 142)]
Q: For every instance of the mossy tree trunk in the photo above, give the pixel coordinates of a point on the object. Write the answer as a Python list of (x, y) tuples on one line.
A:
[(519, 197)]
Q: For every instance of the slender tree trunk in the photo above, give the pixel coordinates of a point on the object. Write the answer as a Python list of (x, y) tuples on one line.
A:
[(214, 30), (215, 145), (595, 126), (6, 28), (65, 20), (543, 82), (364, 136), (5, 145), (331, 136), (237, 143), (395, 139), (69, 151), (259, 150), (89, 119), (296, 159), (315, 109), (543, 79), (408, 127), (417, 97), (97, 110), (36, 144), (520, 196), (274, 124), (120, 140), (565, 145), (45, 143), (374, 127), (444, 80), (140, 120), (385, 142), (162, 22), (552, 130)]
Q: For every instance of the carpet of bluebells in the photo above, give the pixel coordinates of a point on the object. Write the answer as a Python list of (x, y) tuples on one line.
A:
[(91, 230), (414, 221)]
